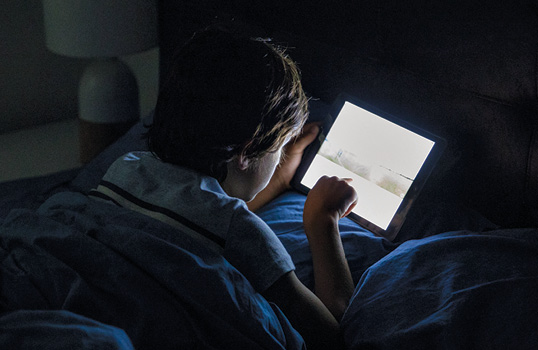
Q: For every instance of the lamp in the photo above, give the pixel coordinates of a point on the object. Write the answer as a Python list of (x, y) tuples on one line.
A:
[(102, 30)]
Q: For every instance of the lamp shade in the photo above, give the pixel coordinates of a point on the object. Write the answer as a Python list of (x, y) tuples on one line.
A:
[(100, 28)]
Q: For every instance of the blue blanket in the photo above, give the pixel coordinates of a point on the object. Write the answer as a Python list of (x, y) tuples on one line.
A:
[(133, 273), (59, 330), (455, 290), (87, 272), (285, 216)]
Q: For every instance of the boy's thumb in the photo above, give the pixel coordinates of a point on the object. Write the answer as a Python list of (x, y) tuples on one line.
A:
[(309, 133)]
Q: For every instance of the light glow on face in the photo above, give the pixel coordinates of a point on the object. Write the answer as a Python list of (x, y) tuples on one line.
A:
[(262, 170)]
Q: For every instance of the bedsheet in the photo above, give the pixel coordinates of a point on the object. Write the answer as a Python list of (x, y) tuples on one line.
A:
[(285, 216), (59, 330), (128, 271), (456, 290), (81, 265), (91, 260)]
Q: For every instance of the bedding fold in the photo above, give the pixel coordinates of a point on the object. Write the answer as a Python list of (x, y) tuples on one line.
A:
[(134, 273)]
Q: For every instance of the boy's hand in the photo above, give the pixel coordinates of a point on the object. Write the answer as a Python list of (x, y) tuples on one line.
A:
[(331, 197), (293, 153)]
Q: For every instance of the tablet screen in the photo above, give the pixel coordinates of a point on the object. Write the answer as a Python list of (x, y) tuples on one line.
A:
[(382, 157)]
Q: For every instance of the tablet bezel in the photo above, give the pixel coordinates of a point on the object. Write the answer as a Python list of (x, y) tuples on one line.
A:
[(399, 218)]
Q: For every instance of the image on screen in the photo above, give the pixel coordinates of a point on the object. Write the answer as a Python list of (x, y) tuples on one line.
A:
[(381, 157)]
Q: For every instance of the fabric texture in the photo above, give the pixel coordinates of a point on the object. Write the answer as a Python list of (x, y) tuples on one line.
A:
[(135, 273), (120, 268), (197, 205), (285, 217), (456, 290), (59, 330)]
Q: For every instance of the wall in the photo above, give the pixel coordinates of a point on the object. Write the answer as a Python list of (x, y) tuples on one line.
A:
[(145, 66), (37, 86)]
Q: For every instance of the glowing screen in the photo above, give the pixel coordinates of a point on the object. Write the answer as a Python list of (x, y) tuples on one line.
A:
[(381, 157)]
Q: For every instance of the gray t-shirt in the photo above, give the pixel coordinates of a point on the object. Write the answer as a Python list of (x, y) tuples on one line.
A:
[(198, 206)]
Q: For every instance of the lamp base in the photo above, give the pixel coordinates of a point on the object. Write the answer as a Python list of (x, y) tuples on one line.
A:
[(108, 105), (95, 138)]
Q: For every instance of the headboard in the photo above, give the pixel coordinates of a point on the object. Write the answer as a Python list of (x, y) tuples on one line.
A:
[(460, 69)]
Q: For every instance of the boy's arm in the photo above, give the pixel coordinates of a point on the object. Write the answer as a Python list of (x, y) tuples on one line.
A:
[(316, 316), (328, 201), (307, 314)]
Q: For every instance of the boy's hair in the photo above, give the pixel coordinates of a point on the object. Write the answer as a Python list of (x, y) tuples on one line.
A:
[(226, 96)]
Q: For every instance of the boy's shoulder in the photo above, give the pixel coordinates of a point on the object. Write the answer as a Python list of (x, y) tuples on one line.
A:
[(146, 181)]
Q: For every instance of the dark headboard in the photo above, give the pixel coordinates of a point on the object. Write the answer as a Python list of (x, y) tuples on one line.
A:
[(460, 69)]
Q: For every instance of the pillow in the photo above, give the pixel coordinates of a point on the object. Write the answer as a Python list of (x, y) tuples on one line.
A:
[(457, 290)]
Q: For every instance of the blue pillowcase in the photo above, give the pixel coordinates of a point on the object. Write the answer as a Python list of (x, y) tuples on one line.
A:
[(285, 216)]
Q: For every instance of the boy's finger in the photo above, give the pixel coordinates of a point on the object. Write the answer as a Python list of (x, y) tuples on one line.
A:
[(351, 207)]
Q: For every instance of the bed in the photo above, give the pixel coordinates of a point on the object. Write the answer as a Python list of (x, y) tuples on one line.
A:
[(462, 273)]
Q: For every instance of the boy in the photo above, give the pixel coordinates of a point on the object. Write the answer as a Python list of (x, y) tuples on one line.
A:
[(221, 122)]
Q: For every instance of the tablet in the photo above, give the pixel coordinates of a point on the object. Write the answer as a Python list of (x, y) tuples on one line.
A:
[(388, 159)]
